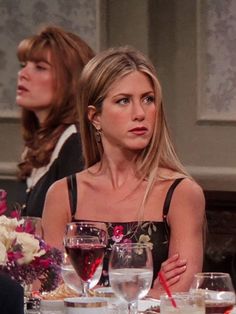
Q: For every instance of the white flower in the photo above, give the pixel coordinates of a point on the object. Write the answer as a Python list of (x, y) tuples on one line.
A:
[(3, 254), (9, 223), (7, 237), (30, 247)]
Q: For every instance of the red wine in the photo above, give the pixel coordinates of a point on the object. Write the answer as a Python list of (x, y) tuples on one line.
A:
[(86, 258), (218, 308)]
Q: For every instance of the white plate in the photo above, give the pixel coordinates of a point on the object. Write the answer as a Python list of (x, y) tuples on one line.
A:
[(52, 306), (147, 303), (104, 292)]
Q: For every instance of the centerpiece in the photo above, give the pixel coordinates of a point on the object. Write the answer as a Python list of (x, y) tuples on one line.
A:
[(24, 255)]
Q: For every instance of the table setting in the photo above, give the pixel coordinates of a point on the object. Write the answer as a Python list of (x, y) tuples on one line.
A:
[(130, 274), (69, 279)]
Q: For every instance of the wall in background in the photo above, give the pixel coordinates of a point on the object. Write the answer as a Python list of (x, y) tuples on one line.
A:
[(20, 19), (191, 43), (181, 37)]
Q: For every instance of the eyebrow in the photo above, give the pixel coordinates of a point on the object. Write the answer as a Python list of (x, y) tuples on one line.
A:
[(44, 61), (128, 95)]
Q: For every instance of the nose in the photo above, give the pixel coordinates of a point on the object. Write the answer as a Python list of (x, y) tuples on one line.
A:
[(23, 73), (138, 112)]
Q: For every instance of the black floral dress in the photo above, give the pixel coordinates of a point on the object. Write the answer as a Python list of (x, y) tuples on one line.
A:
[(155, 233)]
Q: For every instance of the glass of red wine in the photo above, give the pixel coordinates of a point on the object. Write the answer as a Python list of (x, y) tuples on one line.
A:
[(85, 244), (218, 291)]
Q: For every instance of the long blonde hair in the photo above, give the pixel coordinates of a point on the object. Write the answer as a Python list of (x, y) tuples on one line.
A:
[(96, 79)]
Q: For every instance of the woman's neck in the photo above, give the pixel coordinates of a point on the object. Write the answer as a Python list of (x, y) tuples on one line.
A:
[(118, 171)]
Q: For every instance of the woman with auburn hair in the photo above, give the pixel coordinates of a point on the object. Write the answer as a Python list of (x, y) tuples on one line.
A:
[(133, 179), (47, 91)]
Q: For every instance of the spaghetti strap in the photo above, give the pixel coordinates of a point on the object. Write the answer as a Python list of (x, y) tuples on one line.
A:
[(169, 197), (72, 191)]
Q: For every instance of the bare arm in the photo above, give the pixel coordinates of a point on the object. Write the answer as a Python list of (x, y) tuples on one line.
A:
[(56, 213), (186, 219)]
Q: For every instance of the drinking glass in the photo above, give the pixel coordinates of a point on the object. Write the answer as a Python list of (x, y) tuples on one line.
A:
[(217, 289), (32, 225), (72, 280), (186, 303), (131, 272), (85, 244)]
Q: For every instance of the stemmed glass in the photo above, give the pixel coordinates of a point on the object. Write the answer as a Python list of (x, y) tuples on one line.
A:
[(218, 290), (70, 277), (85, 244), (32, 225), (131, 272)]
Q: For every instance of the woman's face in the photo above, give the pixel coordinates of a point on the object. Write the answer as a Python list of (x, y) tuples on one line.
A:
[(35, 86), (128, 113)]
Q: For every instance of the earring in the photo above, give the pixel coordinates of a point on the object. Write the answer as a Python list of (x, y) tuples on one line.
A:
[(98, 135)]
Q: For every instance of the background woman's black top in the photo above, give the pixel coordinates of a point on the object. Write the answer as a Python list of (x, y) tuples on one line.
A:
[(69, 160)]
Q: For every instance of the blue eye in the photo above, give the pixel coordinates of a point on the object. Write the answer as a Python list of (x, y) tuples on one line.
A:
[(123, 101), (149, 99)]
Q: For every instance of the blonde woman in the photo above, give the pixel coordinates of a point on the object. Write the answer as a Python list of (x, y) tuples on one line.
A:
[(133, 179)]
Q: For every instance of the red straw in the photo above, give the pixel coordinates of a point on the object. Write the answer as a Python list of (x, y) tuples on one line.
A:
[(165, 286)]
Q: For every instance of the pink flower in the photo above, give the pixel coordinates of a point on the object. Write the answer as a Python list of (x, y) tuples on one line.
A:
[(15, 214), (3, 201), (127, 241), (29, 227), (44, 263), (118, 233), (14, 256)]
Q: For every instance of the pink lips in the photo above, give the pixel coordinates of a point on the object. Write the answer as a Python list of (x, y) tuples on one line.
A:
[(138, 130), (21, 88)]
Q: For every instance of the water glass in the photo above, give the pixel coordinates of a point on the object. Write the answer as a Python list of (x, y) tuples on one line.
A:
[(186, 303), (131, 272), (218, 290)]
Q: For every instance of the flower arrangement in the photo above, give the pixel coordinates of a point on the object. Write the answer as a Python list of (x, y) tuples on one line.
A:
[(26, 257)]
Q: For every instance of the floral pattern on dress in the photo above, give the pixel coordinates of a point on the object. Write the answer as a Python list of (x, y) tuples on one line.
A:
[(151, 232), (136, 232)]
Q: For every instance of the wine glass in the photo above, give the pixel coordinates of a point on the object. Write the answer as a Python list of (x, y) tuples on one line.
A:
[(85, 244), (218, 290), (32, 225), (70, 277), (131, 272)]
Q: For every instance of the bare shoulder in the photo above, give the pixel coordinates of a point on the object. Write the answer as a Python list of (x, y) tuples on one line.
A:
[(58, 188), (188, 199), (187, 190), (190, 189)]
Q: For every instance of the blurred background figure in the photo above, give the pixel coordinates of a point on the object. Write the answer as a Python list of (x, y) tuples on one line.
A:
[(47, 91), (11, 296)]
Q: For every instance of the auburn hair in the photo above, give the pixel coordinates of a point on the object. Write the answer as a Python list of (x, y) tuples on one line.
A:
[(69, 54)]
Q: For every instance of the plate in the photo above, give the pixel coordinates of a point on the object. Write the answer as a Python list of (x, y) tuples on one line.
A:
[(145, 304), (52, 306), (104, 292)]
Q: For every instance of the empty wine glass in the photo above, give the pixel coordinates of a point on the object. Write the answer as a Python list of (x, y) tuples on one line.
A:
[(131, 272), (218, 291), (85, 244), (32, 225)]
